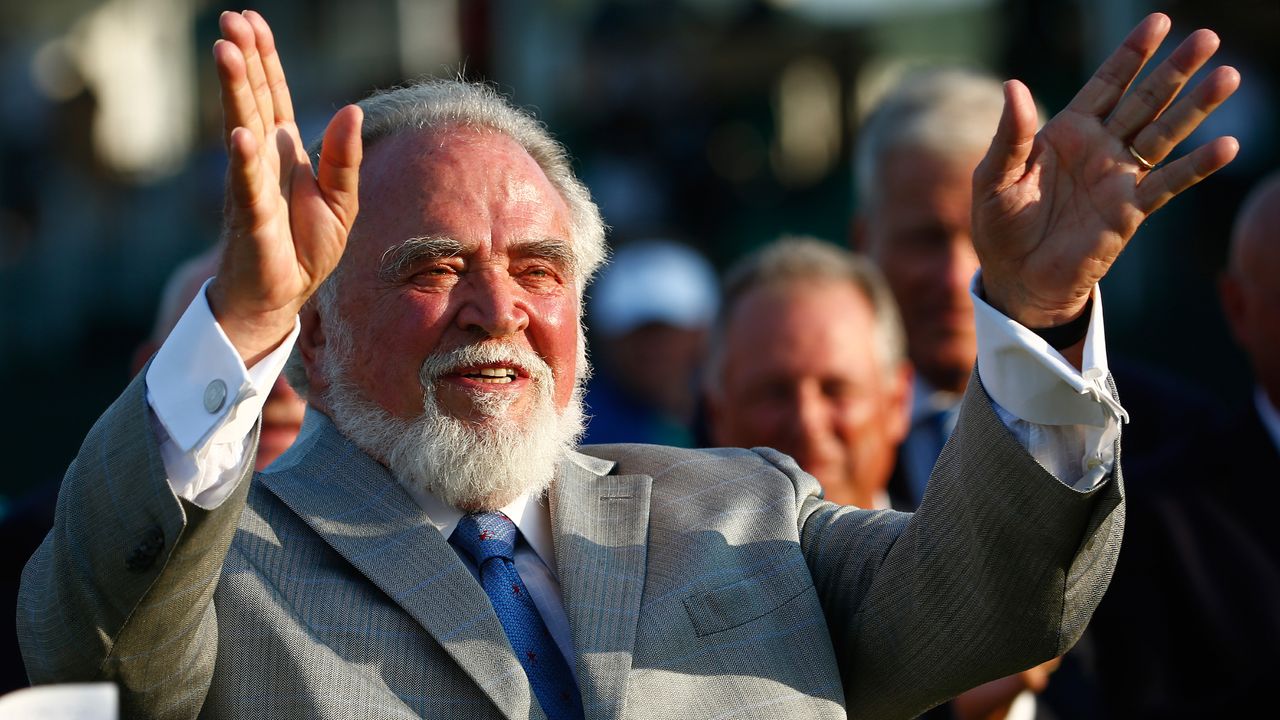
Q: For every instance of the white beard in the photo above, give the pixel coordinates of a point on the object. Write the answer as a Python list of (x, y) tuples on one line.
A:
[(474, 466)]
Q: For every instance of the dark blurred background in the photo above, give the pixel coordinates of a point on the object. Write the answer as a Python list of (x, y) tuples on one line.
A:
[(721, 123)]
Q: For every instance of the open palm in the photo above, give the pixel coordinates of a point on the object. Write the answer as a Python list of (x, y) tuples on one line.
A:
[(286, 226), (1052, 210)]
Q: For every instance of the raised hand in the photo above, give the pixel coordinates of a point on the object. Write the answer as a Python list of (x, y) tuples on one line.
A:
[(286, 227), (1052, 210)]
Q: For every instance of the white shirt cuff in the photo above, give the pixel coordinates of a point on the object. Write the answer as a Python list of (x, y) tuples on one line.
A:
[(206, 403), (1069, 418)]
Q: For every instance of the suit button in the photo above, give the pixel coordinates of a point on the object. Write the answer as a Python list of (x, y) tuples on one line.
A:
[(144, 554)]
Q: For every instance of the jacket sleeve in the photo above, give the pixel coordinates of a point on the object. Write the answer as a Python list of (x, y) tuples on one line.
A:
[(1000, 569), (122, 587)]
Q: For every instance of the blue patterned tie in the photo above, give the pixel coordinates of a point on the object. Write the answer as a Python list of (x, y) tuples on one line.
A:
[(490, 539)]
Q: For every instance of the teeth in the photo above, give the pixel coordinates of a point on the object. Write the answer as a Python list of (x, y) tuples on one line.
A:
[(493, 376)]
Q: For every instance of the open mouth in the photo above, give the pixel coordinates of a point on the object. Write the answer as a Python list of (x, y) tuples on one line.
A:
[(499, 375)]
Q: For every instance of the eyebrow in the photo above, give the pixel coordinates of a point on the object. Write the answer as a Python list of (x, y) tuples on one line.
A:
[(554, 251), (398, 259)]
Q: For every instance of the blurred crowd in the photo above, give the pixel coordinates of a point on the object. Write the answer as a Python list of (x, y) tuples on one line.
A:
[(762, 293)]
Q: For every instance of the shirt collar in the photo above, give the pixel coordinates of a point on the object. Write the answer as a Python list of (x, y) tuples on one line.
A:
[(926, 400), (531, 516)]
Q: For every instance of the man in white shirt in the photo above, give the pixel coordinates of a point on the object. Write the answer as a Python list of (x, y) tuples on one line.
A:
[(441, 361)]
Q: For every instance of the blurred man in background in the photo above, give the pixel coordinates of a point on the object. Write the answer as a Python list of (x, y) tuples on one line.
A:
[(1191, 623), (808, 357), (916, 154), (649, 310), (915, 159)]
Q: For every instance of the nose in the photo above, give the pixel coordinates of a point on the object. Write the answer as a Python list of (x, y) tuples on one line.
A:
[(962, 262), (811, 419), (492, 305)]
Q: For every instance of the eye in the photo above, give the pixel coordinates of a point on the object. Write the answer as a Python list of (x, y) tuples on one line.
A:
[(538, 276), (435, 275)]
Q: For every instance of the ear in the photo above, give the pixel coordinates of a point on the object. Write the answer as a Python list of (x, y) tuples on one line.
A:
[(899, 400), (312, 344), (1235, 306)]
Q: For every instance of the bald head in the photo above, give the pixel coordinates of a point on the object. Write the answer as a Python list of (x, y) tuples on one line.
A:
[(1255, 240), (1251, 288)]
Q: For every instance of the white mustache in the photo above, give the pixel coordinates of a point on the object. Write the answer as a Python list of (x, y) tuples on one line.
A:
[(444, 362)]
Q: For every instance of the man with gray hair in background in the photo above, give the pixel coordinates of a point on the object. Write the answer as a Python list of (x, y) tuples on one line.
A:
[(434, 544), (914, 164), (808, 357)]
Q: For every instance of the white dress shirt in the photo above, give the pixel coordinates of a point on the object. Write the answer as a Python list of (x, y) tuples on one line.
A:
[(206, 401)]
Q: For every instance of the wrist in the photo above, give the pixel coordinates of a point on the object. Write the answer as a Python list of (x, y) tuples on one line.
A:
[(1064, 335), (1018, 305), (254, 335)]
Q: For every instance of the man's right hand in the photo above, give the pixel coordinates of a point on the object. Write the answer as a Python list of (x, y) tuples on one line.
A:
[(286, 227)]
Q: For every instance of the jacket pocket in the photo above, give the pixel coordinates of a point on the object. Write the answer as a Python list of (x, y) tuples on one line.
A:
[(748, 599)]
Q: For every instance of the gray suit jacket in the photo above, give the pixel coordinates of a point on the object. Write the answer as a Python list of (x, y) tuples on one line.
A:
[(700, 584)]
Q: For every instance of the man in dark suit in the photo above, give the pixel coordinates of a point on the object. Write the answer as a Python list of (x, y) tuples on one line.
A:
[(435, 545), (1191, 626)]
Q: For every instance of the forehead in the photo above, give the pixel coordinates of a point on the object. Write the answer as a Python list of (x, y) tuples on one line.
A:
[(828, 325), (475, 186), (914, 176)]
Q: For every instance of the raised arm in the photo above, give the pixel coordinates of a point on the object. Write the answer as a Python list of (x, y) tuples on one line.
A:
[(1052, 210), (286, 225)]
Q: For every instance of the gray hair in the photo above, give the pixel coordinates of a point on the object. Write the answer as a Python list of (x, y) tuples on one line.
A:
[(799, 260), (454, 104), (949, 111)]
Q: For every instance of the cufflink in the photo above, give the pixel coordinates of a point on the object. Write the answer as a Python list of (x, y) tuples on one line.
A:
[(215, 396)]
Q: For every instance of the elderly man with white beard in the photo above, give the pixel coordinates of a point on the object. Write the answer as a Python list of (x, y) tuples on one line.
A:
[(433, 545)]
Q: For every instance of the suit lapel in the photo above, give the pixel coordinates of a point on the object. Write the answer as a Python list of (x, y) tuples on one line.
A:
[(355, 505), (600, 524)]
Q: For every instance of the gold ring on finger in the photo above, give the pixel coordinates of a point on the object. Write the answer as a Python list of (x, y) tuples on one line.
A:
[(1141, 160)]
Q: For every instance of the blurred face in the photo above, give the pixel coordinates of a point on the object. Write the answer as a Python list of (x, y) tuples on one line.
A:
[(461, 240), (657, 363), (918, 231), (281, 420), (1251, 294), (802, 374)]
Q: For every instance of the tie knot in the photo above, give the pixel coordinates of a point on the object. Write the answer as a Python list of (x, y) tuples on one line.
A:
[(486, 535)]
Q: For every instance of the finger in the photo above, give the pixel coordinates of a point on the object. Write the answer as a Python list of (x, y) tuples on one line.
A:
[(1164, 183), (1157, 90), (273, 71), (250, 205), (237, 29), (1006, 158), (340, 155), (1101, 93), (1159, 138), (239, 109)]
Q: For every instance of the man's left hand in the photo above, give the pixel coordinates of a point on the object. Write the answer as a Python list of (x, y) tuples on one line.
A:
[(1052, 210)]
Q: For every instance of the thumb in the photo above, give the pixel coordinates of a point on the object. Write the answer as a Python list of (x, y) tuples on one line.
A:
[(1006, 159), (338, 174)]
